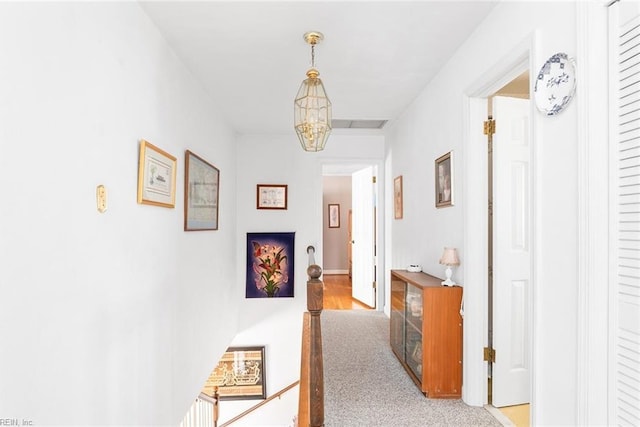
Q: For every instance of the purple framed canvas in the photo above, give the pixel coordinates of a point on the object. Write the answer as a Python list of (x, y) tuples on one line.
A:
[(270, 265)]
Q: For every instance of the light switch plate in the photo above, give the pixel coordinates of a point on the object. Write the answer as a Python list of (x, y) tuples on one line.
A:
[(101, 198)]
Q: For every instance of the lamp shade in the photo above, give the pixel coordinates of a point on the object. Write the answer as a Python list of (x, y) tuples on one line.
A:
[(449, 257), (312, 113)]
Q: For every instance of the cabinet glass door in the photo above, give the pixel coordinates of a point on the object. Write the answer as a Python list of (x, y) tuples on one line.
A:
[(397, 315), (413, 332)]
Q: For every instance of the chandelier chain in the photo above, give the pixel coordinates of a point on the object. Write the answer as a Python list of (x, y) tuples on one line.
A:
[(313, 55)]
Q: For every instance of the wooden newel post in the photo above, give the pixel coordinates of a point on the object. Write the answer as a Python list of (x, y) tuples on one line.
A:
[(316, 380)]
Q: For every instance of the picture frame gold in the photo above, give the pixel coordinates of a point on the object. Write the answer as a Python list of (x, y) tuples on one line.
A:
[(397, 197), (271, 196), (334, 215), (156, 176), (444, 180), (239, 375), (201, 193)]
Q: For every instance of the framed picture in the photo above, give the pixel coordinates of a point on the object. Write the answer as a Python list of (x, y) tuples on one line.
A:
[(156, 176), (334, 216), (238, 375), (397, 197), (201, 186), (444, 180), (270, 269), (271, 196)]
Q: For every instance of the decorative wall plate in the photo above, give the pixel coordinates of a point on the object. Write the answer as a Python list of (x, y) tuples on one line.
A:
[(555, 85)]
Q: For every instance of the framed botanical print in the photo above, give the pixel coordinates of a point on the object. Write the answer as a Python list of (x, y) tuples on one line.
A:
[(270, 265), (397, 197), (334, 216)]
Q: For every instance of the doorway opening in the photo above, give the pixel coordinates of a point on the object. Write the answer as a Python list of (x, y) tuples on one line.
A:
[(477, 369), (349, 241)]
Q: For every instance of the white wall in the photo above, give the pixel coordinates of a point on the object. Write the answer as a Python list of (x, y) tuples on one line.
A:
[(106, 318), (435, 124)]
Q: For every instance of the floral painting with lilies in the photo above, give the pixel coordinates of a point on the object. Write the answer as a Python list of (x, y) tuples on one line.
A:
[(270, 265)]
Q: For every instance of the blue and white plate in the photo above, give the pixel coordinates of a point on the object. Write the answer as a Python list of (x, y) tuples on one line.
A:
[(555, 84)]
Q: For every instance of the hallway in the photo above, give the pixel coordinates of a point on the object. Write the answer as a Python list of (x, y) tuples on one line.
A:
[(337, 296)]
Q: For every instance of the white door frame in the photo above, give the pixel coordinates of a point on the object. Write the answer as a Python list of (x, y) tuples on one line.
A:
[(474, 391)]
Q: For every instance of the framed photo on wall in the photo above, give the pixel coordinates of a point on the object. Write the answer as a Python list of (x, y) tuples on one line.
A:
[(239, 375), (397, 197), (156, 176), (334, 216), (201, 185), (444, 180), (271, 196)]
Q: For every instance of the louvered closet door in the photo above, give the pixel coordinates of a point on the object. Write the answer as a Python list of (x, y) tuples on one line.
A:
[(625, 168)]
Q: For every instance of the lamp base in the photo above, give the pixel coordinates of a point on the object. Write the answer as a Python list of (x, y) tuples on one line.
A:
[(448, 281)]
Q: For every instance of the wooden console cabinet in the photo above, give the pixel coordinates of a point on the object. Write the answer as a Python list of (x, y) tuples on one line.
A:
[(426, 332)]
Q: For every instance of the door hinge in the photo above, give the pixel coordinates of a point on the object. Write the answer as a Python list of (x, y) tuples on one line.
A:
[(489, 127), (373, 179), (374, 285), (489, 355)]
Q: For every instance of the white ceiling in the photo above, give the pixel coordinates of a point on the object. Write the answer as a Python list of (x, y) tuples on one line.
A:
[(375, 58)]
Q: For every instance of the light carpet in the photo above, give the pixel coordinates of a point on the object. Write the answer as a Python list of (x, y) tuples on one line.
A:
[(365, 385)]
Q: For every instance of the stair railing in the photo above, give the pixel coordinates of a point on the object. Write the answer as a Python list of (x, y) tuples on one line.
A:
[(205, 413), (311, 401), (262, 403)]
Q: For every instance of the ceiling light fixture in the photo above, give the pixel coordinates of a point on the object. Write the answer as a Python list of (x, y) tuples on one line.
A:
[(312, 108)]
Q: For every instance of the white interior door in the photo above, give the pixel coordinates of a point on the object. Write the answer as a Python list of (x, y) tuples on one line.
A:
[(511, 252), (362, 204)]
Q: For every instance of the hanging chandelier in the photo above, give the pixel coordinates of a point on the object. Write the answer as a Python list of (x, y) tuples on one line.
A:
[(312, 108)]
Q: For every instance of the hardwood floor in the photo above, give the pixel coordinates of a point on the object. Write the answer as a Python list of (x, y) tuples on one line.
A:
[(519, 414), (337, 293)]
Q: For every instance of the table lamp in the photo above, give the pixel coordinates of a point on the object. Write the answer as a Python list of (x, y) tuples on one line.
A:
[(449, 257)]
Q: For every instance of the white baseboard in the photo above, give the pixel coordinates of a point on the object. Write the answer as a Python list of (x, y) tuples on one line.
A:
[(335, 271)]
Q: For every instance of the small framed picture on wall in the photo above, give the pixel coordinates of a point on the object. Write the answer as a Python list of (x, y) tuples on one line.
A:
[(156, 176), (334, 216), (397, 197), (271, 196), (444, 180), (239, 375)]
